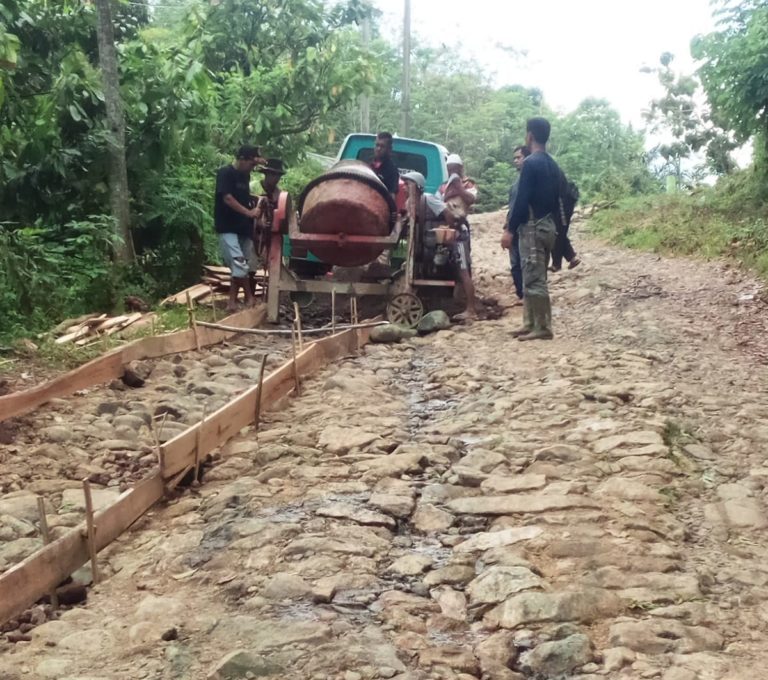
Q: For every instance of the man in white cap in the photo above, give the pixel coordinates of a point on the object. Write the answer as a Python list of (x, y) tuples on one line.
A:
[(459, 194)]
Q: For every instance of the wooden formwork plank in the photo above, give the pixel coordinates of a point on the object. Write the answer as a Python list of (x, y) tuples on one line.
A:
[(25, 583), (110, 365)]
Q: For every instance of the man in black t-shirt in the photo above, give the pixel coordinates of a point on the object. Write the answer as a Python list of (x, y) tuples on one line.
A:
[(233, 215), (383, 165)]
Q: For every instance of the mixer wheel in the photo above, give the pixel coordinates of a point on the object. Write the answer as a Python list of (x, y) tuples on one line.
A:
[(405, 309)]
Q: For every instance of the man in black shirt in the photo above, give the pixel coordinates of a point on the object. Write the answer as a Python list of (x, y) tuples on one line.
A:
[(233, 214), (536, 204), (383, 165)]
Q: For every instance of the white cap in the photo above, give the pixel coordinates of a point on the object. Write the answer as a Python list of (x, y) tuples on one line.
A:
[(454, 159), (417, 178)]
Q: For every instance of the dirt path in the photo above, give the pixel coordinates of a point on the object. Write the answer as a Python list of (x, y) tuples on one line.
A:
[(466, 506)]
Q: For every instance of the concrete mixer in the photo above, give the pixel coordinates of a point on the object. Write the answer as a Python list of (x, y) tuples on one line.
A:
[(367, 242)]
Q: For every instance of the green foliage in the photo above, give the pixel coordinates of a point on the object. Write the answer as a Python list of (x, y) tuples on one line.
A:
[(735, 61), (198, 79), (603, 156), (689, 126), (45, 271), (726, 220)]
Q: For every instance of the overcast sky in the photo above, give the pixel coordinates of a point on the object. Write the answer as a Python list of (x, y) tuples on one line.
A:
[(589, 48)]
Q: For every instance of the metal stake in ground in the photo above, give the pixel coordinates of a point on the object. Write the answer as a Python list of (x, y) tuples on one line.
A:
[(193, 321), (213, 304), (297, 321), (353, 311), (46, 540), (91, 529)]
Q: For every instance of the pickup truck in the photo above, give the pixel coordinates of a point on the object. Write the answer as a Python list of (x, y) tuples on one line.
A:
[(427, 158)]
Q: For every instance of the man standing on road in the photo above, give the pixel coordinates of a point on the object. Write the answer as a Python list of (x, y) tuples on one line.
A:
[(519, 155), (383, 165), (536, 203), (233, 214)]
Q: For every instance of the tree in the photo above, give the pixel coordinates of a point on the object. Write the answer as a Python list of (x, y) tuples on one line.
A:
[(687, 123), (119, 193), (734, 63), (602, 155)]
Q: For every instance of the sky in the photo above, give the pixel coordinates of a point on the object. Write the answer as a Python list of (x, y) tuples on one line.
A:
[(575, 49)]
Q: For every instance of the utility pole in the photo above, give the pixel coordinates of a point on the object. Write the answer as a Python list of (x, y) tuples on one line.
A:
[(365, 100), (119, 196), (406, 94)]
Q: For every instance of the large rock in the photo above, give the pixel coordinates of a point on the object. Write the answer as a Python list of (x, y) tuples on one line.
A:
[(551, 659), (528, 503), (627, 440), (428, 519), (74, 500), (516, 484), (498, 539), (337, 439), (740, 513), (528, 608), (242, 664), (459, 659), (397, 506), (496, 584), (21, 505), (663, 636), (628, 489), (434, 321), (357, 515), (411, 565), (391, 333)]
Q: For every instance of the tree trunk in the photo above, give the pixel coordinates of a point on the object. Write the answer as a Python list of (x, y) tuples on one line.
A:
[(119, 195)]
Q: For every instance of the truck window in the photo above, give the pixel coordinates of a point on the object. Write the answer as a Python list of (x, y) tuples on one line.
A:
[(405, 162)]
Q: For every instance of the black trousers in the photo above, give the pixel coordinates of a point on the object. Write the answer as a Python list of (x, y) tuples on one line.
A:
[(563, 248)]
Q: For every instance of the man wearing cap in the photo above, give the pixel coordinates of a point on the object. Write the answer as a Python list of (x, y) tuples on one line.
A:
[(267, 204), (459, 194), (233, 214)]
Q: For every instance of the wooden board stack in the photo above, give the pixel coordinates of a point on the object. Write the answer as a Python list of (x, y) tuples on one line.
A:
[(214, 283), (91, 328)]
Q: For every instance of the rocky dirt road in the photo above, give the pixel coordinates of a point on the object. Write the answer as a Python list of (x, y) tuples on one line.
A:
[(465, 506)]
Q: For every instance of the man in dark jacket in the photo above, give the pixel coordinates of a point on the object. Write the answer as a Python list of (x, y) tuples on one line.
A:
[(383, 165), (533, 213)]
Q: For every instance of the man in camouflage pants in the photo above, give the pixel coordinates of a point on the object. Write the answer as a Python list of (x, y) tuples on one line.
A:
[(533, 215)]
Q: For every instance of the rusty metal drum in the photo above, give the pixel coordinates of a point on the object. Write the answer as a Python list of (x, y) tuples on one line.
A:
[(352, 206)]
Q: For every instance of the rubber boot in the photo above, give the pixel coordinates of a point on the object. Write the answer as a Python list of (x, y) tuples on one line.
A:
[(527, 326), (541, 310)]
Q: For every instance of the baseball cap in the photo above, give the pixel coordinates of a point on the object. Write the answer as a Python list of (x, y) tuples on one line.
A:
[(417, 178), (454, 159)]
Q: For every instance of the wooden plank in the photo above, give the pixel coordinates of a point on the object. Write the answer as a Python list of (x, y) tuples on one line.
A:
[(196, 292), (25, 583), (110, 366)]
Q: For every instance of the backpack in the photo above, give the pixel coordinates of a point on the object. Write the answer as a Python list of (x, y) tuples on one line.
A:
[(569, 197)]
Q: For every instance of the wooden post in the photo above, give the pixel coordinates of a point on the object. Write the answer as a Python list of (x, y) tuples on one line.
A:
[(193, 322), (353, 310), (213, 304), (46, 540), (91, 529), (295, 365), (198, 438), (257, 415), (333, 309), (297, 321)]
